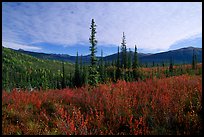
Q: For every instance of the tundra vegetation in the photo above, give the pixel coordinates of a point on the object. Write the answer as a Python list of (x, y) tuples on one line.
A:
[(43, 97)]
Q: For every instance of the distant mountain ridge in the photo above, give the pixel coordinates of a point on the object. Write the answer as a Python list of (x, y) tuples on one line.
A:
[(179, 56)]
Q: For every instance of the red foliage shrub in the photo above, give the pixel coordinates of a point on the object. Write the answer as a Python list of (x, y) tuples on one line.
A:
[(154, 106)]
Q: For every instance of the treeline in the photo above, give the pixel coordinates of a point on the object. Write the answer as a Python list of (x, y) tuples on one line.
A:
[(124, 68), (98, 72), (26, 72)]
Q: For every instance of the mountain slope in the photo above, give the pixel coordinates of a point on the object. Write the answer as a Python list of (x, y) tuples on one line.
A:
[(71, 59), (59, 57), (11, 57), (179, 56)]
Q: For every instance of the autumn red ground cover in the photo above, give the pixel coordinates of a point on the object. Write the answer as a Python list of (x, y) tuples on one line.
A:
[(151, 107)]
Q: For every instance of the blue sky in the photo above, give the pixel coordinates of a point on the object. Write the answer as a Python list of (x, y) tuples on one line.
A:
[(63, 27)]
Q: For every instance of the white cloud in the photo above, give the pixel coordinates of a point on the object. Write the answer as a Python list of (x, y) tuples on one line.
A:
[(150, 26), (20, 46)]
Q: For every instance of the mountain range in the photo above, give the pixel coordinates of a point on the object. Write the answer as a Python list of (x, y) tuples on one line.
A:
[(179, 56)]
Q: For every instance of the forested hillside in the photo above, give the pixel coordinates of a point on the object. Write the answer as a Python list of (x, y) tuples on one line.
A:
[(24, 71)]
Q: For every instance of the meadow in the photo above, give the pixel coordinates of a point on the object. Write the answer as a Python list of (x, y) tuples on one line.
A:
[(155, 106)]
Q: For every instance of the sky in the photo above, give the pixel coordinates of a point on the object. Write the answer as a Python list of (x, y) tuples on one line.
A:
[(64, 27)]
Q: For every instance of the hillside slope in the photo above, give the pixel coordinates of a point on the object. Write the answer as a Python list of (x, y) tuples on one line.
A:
[(25, 70)]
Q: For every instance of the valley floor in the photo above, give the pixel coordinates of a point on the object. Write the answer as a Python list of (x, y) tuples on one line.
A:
[(166, 106)]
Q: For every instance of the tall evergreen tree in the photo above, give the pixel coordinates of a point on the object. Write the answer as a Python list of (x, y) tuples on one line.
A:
[(81, 65), (129, 59), (135, 65), (93, 73), (124, 53), (71, 79), (118, 66), (129, 65), (63, 76), (123, 58), (76, 73), (194, 60), (105, 71), (81, 71), (101, 68), (171, 66)]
